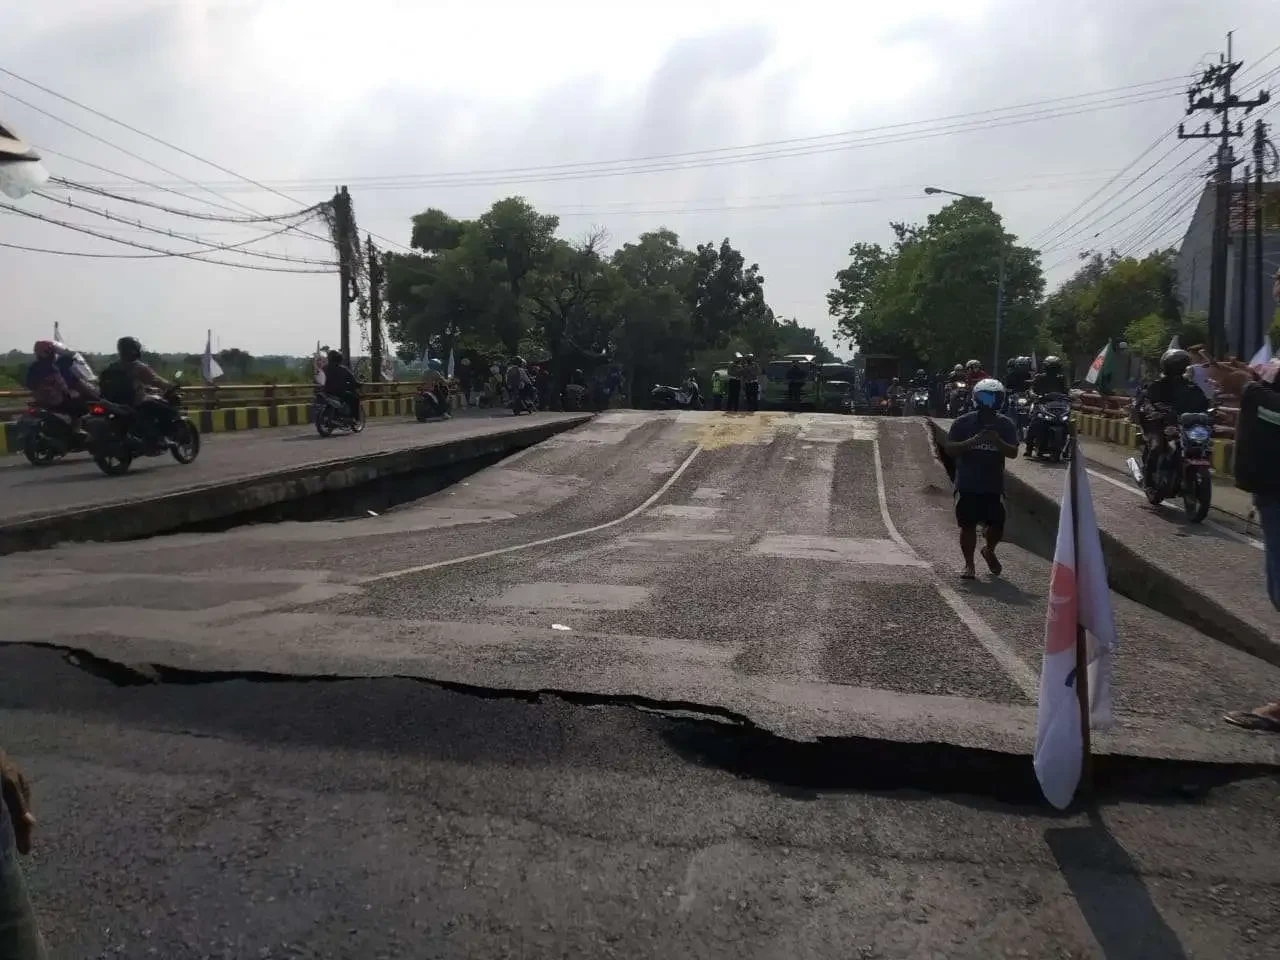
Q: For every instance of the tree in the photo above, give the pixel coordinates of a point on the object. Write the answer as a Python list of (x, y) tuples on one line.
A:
[(515, 235), (234, 361), (855, 289)]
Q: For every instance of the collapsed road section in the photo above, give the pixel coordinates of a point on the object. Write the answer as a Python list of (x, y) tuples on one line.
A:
[(246, 478)]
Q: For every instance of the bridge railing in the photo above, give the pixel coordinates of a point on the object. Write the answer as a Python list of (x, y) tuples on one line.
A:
[(201, 396)]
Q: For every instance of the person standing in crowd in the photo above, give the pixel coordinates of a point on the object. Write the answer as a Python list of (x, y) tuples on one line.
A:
[(751, 382), (980, 441), (464, 379), (734, 385), (1264, 481), (717, 388), (19, 935)]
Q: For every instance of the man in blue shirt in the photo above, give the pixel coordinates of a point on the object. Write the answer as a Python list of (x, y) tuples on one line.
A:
[(980, 441)]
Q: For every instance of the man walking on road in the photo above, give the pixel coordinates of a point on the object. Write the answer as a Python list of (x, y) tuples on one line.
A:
[(980, 441)]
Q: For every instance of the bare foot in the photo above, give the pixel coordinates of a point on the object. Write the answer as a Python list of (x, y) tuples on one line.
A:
[(993, 564)]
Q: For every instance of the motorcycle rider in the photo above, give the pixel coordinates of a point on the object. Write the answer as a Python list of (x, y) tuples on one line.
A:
[(1017, 377), (340, 382), (920, 381), (795, 383), (519, 384), (690, 386), (53, 383), (1175, 394), (734, 384), (981, 441), (1050, 379), (751, 382), (434, 381), (973, 372), (131, 382)]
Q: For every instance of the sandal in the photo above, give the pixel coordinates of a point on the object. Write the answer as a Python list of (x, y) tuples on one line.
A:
[(1249, 720), (993, 564)]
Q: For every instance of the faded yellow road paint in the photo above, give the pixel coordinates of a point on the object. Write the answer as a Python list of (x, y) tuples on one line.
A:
[(719, 430)]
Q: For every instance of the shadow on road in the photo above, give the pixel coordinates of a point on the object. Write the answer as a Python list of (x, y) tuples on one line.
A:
[(1111, 895)]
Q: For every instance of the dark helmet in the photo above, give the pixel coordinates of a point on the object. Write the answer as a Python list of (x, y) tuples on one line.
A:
[(693, 371), (44, 349), (577, 372), (921, 374), (129, 348), (973, 365), (335, 358), (1011, 363), (1052, 364), (1024, 363), (1174, 362)]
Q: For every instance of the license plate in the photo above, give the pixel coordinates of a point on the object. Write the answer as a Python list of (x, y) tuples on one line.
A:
[(1197, 463)]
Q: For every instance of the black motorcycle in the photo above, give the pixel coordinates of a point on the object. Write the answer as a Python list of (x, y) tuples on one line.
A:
[(918, 400), (1049, 428), (1019, 411), (119, 434), (46, 435), (428, 404), (575, 397), (332, 414), (525, 400), (1183, 468), (663, 397)]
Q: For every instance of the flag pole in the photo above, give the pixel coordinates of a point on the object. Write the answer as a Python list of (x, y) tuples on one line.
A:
[(1082, 641)]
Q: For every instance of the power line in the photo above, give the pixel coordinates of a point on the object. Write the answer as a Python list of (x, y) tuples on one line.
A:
[(191, 214), (607, 169), (190, 255), (164, 143), (190, 238)]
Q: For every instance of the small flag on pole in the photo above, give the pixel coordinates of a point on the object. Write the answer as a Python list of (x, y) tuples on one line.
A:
[(1079, 637), (1100, 370), (318, 364), (448, 371), (209, 367), (57, 332)]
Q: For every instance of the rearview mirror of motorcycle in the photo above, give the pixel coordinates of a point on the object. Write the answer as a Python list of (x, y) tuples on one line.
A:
[(177, 375)]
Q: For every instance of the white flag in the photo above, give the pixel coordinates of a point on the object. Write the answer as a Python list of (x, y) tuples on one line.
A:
[(448, 371), (1263, 356), (1078, 596), (388, 368), (209, 367), (57, 332), (318, 363)]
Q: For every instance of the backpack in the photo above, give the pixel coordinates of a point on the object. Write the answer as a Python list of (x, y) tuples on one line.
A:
[(1258, 440), (116, 385)]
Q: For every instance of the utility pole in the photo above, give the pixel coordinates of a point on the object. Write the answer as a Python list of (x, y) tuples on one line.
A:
[(1212, 92), (1241, 328), (995, 359), (342, 239), (1259, 152), (375, 310)]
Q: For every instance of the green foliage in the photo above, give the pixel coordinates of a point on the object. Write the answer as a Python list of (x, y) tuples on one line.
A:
[(504, 283), (1148, 337), (932, 295)]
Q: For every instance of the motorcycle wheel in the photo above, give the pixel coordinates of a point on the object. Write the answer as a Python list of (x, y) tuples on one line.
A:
[(38, 450), (358, 423), (1154, 496), (324, 421), (187, 442), (1198, 496), (114, 464)]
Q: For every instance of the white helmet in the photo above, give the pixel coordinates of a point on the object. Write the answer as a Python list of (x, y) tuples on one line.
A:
[(991, 388)]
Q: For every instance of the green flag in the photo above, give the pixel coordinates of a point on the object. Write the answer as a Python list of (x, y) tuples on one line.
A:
[(1101, 369)]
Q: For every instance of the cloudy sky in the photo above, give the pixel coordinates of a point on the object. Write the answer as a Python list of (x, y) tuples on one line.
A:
[(456, 104)]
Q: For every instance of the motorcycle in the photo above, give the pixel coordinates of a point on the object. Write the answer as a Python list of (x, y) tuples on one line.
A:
[(525, 401), (332, 414), (957, 399), (575, 397), (1183, 468), (1049, 428), (918, 401), (895, 400), (117, 435), (46, 436), (1019, 411), (673, 398), (428, 404)]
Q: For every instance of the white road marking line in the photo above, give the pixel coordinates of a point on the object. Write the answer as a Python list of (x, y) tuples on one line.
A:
[(636, 511), (1233, 534), (1023, 677)]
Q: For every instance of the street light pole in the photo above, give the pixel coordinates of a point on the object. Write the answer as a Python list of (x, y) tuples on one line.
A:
[(995, 353)]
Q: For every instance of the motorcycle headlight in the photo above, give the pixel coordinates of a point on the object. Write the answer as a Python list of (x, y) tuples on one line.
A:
[(1198, 433)]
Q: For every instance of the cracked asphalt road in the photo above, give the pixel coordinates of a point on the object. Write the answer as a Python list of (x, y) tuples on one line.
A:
[(836, 766)]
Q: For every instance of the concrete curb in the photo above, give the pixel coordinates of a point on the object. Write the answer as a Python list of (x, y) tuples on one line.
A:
[(140, 518), (1134, 576)]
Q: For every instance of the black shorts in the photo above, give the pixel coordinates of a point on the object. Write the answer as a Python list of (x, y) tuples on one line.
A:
[(980, 509)]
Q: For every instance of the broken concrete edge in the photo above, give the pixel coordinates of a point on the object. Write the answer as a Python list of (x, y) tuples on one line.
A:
[(1131, 574), (133, 519), (715, 735)]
